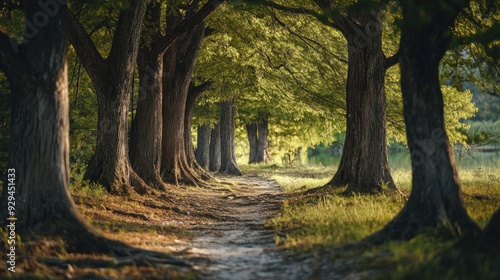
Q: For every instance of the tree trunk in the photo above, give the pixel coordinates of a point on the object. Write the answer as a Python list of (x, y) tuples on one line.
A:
[(193, 93), (263, 131), (364, 166), (146, 132), (179, 61), (203, 146), (227, 138), (38, 165), (112, 78), (435, 201), (215, 149), (253, 141)]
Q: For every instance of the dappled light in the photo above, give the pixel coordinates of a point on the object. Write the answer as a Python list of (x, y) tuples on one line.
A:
[(214, 139)]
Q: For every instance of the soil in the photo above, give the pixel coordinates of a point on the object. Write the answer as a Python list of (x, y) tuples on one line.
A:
[(240, 246)]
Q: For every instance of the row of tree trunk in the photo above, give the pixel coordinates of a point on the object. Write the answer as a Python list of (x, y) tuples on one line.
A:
[(216, 150), (257, 133), (159, 151)]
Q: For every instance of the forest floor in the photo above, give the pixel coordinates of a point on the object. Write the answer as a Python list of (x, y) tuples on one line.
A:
[(241, 228)]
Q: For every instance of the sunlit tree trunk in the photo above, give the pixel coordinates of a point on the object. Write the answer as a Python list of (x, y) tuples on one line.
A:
[(215, 149), (146, 131), (203, 146), (178, 66), (227, 138), (253, 141), (364, 166), (112, 78), (263, 131)]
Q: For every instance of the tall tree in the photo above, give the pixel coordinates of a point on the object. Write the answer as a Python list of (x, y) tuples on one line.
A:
[(203, 146), (193, 93), (215, 149), (148, 141), (179, 63), (39, 145), (435, 201), (227, 138), (364, 166), (112, 78), (257, 133)]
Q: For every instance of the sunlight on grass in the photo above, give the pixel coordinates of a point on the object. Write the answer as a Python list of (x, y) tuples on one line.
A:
[(334, 219)]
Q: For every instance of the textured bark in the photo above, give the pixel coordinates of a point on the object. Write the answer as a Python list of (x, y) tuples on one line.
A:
[(193, 93), (146, 132), (112, 78), (39, 140), (179, 61), (435, 200), (215, 149), (253, 141), (263, 131), (227, 138), (203, 146), (364, 166)]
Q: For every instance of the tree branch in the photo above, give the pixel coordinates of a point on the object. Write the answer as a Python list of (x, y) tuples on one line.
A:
[(391, 61), (8, 54), (186, 25), (84, 47)]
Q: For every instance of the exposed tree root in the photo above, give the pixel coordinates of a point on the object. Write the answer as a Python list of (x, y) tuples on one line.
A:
[(130, 214), (141, 259)]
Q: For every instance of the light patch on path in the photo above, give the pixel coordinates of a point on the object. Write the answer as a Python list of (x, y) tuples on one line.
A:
[(243, 248)]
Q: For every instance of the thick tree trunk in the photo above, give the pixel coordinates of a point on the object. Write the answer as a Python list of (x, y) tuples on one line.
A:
[(435, 201), (263, 131), (364, 166), (227, 138), (38, 165), (203, 146), (215, 149), (253, 141), (146, 132), (112, 78), (179, 64)]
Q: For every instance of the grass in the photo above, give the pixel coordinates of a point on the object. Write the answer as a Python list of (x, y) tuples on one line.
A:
[(312, 222)]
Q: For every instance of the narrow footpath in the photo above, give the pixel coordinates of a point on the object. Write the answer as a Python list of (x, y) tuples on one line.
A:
[(240, 247)]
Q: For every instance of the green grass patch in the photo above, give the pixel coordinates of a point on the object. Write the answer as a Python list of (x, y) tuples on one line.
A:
[(309, 222)]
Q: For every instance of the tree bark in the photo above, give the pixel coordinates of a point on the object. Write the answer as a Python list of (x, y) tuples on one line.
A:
[(112, 78), (227, 138), (253, 141), (435, 200), (215, 149), (146, 132), (203, 146), (263, 131), (193, 93), (179, 61), (38, 164), (364, 166)]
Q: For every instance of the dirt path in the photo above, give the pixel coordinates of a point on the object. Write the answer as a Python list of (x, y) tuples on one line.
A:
[(240, 247)]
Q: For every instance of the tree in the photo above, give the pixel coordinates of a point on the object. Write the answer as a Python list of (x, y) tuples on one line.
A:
[(215, 149), (39, 144), (193, 93), (227, 138), (364, 166), (435, 201), (155, 146), (203, 146), (179, 64), (112, 78), (257, 133)]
